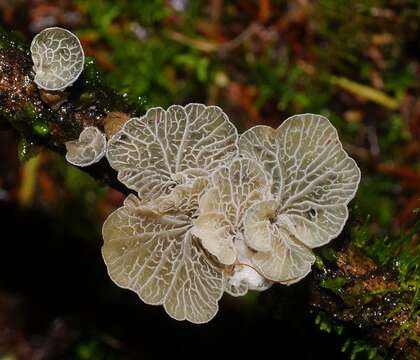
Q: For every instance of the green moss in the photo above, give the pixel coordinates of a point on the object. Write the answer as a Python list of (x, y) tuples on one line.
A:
[(335, 285), (87, 97), (359, 349), (91, 75), (29, 112), (41, 128), (327, 324), (26, 149), (13, 39), (355, 348), (328, 254), (319, 263)]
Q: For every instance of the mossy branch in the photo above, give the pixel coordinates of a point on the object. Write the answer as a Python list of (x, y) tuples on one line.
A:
[(52, 118), (367, 291), (351, 293)]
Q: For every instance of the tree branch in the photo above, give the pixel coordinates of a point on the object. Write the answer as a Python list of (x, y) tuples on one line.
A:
[(52, 118)]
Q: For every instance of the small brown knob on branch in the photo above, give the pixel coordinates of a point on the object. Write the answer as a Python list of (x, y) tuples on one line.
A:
[(113, 122)]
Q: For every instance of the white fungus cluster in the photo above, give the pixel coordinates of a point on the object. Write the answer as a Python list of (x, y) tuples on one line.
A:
[(58, 58), (216, 212)]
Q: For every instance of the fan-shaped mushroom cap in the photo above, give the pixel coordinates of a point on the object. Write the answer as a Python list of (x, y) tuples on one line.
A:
[(88, 149), (153, 153), (235, 188), (279, 256), (58, 58), (154, 253), (313, 181)]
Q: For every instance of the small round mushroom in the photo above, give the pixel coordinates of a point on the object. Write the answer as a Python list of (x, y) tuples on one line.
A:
[(58, 58), (88, 149)]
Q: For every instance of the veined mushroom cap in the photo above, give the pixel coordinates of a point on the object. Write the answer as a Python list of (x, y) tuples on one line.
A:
[(313, 180), (154, 153), (88, 149), (149, 249), (58, 58), (236, 187)]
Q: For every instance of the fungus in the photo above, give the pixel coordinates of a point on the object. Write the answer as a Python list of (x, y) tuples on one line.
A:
[(88, 149), (149, 249), (211, 217), (235, 188), (167, 157), (58, 58), (313, 180), (154, 153), (243, 276)]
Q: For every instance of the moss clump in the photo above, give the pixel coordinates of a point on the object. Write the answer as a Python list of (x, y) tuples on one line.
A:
[(377, 280), (91, 76), (12, 39), (29, 117), (335, 284), (27, 149), (41, 128)]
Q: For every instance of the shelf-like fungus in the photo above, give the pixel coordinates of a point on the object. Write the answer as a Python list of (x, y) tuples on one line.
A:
[(149, 248), (88, 149), (167, 157), (313, 179), (167, 147), (58, 58), (213, 216), (236, 187)]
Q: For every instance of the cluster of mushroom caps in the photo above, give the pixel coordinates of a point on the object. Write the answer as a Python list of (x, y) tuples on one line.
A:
[(214, 212)]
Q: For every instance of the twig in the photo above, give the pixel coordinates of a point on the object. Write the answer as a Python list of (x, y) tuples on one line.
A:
[(208, 46)]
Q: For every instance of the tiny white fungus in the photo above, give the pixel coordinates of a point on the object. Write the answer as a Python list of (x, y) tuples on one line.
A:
[(88, 149), (247, 275), (58, 58), (244, 276)]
